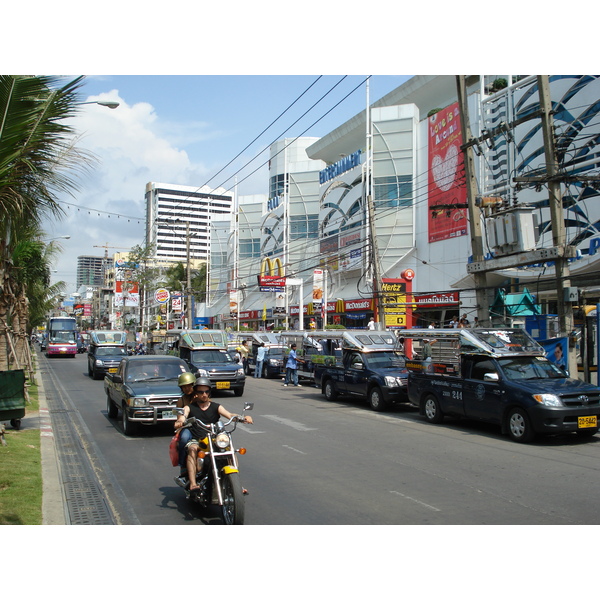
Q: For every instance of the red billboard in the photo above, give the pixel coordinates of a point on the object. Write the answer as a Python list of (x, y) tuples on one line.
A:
[(447, 190)]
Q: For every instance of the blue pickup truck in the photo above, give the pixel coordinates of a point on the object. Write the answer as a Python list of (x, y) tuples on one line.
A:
[(371, 366), (499, 376)]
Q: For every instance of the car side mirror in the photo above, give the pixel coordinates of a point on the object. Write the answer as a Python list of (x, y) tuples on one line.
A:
[(117, 379), (491, 377)]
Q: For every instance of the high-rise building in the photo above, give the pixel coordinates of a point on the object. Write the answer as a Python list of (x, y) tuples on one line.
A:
[(169, 210), (90, 271)]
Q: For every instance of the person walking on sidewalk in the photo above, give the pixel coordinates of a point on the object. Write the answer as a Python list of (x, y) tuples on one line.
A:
[(291, 368), (260, 357)]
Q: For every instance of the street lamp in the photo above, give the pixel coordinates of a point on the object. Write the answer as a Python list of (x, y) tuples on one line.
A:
[(108, 104), (60, 237)]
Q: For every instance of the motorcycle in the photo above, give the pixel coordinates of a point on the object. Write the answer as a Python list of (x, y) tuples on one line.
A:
[(217, 470)]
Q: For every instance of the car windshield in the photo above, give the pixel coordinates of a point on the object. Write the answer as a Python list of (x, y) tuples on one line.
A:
[(111, 351), (211, 356), (154, 370), (527, 367), (382, 360)]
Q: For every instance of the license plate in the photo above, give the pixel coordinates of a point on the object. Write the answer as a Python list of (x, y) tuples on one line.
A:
[(222, 385), (587, 422), (167, 414), (113, 370)]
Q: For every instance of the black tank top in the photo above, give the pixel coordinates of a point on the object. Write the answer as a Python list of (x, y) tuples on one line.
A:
[(210, 415)]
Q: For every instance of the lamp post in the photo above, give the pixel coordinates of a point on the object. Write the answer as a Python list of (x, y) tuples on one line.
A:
[(108, 104)]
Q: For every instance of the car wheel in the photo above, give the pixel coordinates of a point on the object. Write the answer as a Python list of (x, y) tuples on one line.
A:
[(432, 410), (265, 373), (519, 426), (376, 399), (111, 408), (129, 427), (330, 390), (239, 392)]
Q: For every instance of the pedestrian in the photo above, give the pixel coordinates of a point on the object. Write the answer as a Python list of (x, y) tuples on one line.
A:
[(244, 351), (371, 324), (427, 349), (453, 323), (291, 368), (260, 357)]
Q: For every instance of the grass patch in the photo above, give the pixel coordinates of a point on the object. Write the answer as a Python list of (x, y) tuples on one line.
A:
[(21, 478), (21, 472)]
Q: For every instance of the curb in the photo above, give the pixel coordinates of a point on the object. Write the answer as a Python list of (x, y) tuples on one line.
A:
[(54, 506)]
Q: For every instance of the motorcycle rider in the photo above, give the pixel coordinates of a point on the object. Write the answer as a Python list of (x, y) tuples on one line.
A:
[(207, 411), (186, 385)]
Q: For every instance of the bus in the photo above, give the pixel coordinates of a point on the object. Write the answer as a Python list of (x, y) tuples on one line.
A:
[(62, 337)]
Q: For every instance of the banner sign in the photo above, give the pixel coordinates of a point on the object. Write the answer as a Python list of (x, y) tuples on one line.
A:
[(446, 186)]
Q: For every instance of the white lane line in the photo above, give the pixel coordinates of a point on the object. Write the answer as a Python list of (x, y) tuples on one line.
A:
[(417, 501), (293, 424), (294, 449), (381, 417)]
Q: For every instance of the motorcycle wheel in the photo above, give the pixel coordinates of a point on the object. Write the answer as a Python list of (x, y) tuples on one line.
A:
[(233, 499)]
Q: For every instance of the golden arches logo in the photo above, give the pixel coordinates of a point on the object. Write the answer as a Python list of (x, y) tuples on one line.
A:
[(273, 268)]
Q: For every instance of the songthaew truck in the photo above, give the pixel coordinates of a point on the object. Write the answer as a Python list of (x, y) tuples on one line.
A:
[(369, 365), (500, 376)]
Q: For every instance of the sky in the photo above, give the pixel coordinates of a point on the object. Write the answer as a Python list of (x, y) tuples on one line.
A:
[(198, 82), (186, 130)]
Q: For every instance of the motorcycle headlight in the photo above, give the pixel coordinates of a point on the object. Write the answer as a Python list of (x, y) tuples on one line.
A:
[(548, 399), (222, 440)]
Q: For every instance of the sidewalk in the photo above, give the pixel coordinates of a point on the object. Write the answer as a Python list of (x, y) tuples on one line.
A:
[(54, 508)]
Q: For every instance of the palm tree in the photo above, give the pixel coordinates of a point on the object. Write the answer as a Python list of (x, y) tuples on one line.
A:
[(38, 158)]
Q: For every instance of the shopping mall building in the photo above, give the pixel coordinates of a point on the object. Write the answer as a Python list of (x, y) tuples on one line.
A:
[(377, 209)]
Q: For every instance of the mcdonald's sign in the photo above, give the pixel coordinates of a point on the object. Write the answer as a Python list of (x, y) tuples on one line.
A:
[(271, 278)]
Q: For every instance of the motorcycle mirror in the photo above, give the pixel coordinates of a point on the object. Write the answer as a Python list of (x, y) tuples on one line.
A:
[(248, 405)]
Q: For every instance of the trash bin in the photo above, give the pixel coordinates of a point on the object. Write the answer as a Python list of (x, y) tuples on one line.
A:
[(12, 397)]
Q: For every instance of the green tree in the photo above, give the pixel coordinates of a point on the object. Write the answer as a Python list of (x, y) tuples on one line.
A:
[(38, 161)]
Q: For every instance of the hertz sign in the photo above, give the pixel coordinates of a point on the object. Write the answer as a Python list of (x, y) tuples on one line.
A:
[(271, 278)]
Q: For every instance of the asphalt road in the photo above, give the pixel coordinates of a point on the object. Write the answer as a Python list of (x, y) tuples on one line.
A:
[(316, 462)]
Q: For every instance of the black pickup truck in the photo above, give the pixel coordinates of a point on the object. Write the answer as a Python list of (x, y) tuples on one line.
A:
[(502, 377), (371, 367), (144, 389)]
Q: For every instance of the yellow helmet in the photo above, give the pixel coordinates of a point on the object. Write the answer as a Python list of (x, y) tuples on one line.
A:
[(186, 379)]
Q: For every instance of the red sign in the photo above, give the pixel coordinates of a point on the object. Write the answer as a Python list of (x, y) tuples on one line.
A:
[(439, 299), (447, 186)]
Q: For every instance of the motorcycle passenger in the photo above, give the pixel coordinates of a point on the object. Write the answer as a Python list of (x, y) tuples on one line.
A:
[(203, 409), (186, 385)]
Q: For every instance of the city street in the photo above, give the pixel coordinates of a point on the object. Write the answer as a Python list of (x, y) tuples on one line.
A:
[(315, 462)]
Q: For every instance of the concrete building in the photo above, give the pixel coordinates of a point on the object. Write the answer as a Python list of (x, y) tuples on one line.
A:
[(170, 207), (90, 271), (399, 185)]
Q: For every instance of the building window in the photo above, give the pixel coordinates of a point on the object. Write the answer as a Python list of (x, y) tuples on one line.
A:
[(250, 248), (304, 226), (277, 186), (392, 192)]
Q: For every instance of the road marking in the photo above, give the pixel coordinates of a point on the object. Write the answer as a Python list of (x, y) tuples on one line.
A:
[(375, 415), (293, 424), (294, 449), (417, 501)]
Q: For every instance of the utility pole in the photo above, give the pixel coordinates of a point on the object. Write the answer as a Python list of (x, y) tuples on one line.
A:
[(559, 239), (378, 308), (188, 269), (481, 292)]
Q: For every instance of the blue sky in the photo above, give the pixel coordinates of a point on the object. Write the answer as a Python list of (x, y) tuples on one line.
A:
[(184, 130)]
